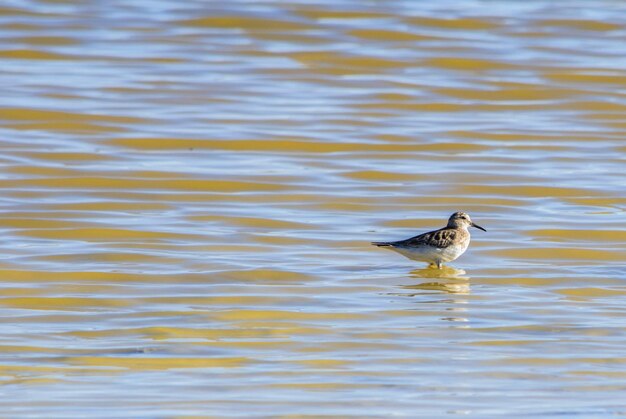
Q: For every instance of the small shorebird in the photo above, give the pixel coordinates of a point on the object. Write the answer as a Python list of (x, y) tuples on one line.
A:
[(439, 246)]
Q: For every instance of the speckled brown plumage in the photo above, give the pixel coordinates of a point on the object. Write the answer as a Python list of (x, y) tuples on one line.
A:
[(438, 246), (441, 238)]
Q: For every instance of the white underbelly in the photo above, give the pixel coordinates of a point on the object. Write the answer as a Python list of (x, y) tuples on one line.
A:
[(432, 254)]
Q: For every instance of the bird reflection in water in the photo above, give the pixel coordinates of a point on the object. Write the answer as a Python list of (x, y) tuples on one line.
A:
[(448, 279)]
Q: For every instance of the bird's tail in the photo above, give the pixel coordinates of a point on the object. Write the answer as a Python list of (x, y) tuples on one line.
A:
[(382, 244)]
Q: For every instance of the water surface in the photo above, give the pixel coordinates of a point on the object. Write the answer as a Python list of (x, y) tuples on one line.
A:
[(189, 191)]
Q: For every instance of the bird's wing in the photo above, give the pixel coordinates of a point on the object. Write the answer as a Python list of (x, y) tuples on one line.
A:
[(438, 238)]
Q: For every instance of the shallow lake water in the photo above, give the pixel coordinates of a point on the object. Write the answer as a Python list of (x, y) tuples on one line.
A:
[(189, 190)]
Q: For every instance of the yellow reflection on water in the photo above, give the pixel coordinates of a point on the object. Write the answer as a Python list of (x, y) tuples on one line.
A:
[(448, 280), (160, 363), (448, 287), (446, 272)]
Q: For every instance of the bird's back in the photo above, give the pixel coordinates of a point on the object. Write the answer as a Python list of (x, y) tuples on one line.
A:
[(441, 238)]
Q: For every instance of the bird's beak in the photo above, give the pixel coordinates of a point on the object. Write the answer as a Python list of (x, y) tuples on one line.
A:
[(479, 227)]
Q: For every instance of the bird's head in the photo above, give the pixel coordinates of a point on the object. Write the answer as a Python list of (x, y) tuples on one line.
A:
[(462, 220)]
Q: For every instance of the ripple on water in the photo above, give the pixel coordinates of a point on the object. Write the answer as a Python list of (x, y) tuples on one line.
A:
[(189, 198)]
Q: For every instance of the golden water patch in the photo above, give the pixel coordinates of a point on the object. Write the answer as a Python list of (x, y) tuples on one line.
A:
[(272, 315), (587, 25), (268, 275), (300, 38), (64, 303), (325, 363), (73, 288), (51, 276), (119, 184), (66, 156), (160, 363), (583, 293), (558, 253), (112, 174), (254, 24), (249, 345), (164, 60), (284, 241), (39, 223), (466, 203), (393, 97), (466, 64), (19, 370), (538, 191), (621, 126), (44, 171), (370, 347), (63, 96), (234, 335), (591, 76), (539, 147), (611, 203), (593, 106), (25, 381), (553, 360), (315, 13), (596, 373), (412, 106), (380, 176), (105, 206), (388, 35), (167, 333), (460, 23), (44, 40), (290, 145), (102, 234), (29, 54), (20, 292), (342, 62), (528, 93), (441, 286), (566, 137), (446, 107), (111, 257), (500, 273), (414, 223), (221, 300), (224, 247), (350, 206), (45, 213), (14, 11), (117, 278), (26, 114), (254, 222), (65, 126), (558, 235), (351, 122)]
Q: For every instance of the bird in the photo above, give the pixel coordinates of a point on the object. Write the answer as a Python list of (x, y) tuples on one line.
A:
[(438, 246)]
